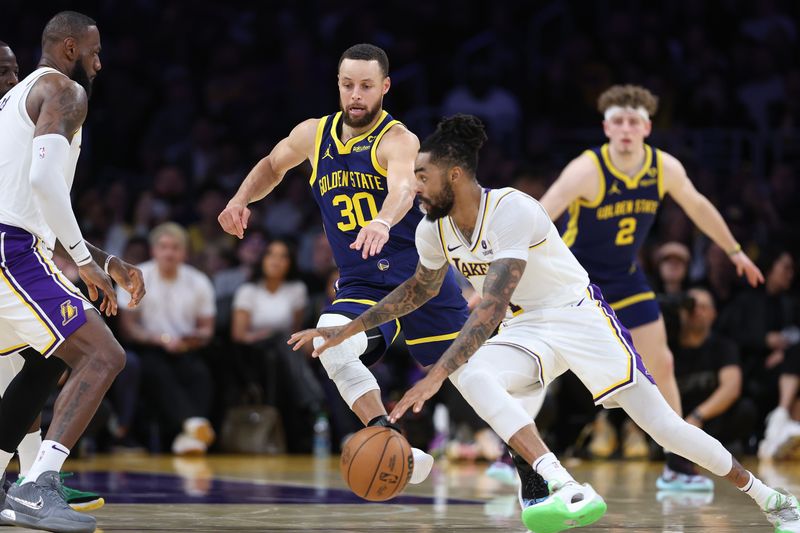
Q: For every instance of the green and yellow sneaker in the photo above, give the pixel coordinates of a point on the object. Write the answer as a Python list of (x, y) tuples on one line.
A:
[(571, 505), (77, 499)]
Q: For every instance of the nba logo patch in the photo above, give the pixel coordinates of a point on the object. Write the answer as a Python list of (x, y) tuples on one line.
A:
[(68, 312), (383, 265)]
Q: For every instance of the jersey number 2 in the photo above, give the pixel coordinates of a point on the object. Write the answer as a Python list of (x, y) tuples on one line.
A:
[(627, 227), (353, 210)]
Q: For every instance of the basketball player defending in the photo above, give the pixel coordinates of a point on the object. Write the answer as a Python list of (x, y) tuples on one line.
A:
[(555, 320), (40, 123), (612, 194), (363, 181), (10, 365)]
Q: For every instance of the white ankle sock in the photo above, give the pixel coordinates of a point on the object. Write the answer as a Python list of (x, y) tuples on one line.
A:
[(28, 449), (5, 458), (51, 457), (758, 491), (551, 470)]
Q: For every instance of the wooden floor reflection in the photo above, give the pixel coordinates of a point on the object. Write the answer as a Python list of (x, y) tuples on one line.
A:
[(279, 494)]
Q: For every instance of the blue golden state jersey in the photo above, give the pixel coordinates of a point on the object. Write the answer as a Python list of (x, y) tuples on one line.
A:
[(605, 234), (349, 184)]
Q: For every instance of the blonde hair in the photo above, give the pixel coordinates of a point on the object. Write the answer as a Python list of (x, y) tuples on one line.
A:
[(171, 229), (628, 96)]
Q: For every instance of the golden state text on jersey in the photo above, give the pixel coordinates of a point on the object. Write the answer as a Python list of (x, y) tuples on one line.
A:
[(350, 186), (605, 233)]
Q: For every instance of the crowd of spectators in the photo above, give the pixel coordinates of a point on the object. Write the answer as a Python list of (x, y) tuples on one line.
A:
[(191, 96)]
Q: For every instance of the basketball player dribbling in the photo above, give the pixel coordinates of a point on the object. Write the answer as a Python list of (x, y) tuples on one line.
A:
[(363, 181), (510, 251), (611, 194), (40, 135)]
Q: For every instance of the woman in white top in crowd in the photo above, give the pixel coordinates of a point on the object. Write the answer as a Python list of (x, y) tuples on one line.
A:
[(265, 311), (274, 302)]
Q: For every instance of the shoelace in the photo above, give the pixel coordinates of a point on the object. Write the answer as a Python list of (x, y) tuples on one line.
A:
[(784, 510)]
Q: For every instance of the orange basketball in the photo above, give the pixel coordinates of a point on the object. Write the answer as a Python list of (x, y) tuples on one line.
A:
[(377, 463)]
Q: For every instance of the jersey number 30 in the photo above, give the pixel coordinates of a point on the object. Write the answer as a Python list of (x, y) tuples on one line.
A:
[(353, 210), (627, 227)]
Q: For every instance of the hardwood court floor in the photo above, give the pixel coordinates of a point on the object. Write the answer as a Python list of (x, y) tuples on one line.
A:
[(281, 494)]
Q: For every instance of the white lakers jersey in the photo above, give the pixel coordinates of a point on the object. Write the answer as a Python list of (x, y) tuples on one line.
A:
[(17, 205), (510, 224)]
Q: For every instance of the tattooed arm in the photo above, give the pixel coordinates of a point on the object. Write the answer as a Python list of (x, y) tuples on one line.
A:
[(501, 281), (410, 295)]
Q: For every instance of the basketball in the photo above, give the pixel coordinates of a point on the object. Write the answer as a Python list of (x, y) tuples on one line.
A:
[(377, 463)]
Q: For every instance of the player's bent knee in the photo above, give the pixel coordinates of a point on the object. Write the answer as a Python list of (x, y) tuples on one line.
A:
[(487, 396), (661, 364), (116, 358), (343, 364)]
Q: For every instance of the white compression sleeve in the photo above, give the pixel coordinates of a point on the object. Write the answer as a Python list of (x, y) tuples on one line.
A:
[(49, 157), (645, 405), (343, 363), (489, 381)]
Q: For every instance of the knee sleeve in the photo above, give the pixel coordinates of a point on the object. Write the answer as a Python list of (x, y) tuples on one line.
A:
[(650, 411), (487, 395), (343, 363), (532, 401)]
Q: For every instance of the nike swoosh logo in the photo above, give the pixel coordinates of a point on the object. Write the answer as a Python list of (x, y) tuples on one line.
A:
[(56, 448), (74, 245), (31, 505), (453, 248)]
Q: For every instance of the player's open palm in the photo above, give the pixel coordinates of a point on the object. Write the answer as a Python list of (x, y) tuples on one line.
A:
[(333, 336), (745, 267), (233, 219), (96, 280), (129, 278), (370, 239), (416, 397)]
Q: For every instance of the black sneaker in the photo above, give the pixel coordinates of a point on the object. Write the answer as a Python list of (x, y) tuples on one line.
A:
[(533, 488), (41, 505)]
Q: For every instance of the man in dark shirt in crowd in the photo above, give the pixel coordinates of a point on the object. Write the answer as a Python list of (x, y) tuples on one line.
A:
[(709, 374)]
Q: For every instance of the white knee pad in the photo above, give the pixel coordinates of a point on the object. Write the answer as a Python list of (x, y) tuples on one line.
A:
[(491, 401), (343, 363), (532, 400)]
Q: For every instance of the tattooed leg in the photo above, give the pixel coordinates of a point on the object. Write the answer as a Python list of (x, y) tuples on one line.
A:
[(95, 358)]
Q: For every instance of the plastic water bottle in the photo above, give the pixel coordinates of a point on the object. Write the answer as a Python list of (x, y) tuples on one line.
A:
[(322, 436)]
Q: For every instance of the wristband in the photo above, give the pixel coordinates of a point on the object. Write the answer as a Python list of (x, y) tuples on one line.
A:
[(735, 250), (696, 415), (109, 257), (381, 221)]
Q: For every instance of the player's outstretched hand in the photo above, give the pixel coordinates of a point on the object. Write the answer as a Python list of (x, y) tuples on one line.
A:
[(371, 239), (745, 267), (95, 280), (129, 278), (332, 335), (416, 396), (233, 219)]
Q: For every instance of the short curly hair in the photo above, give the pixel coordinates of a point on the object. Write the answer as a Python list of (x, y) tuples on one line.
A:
[(628, 96)]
